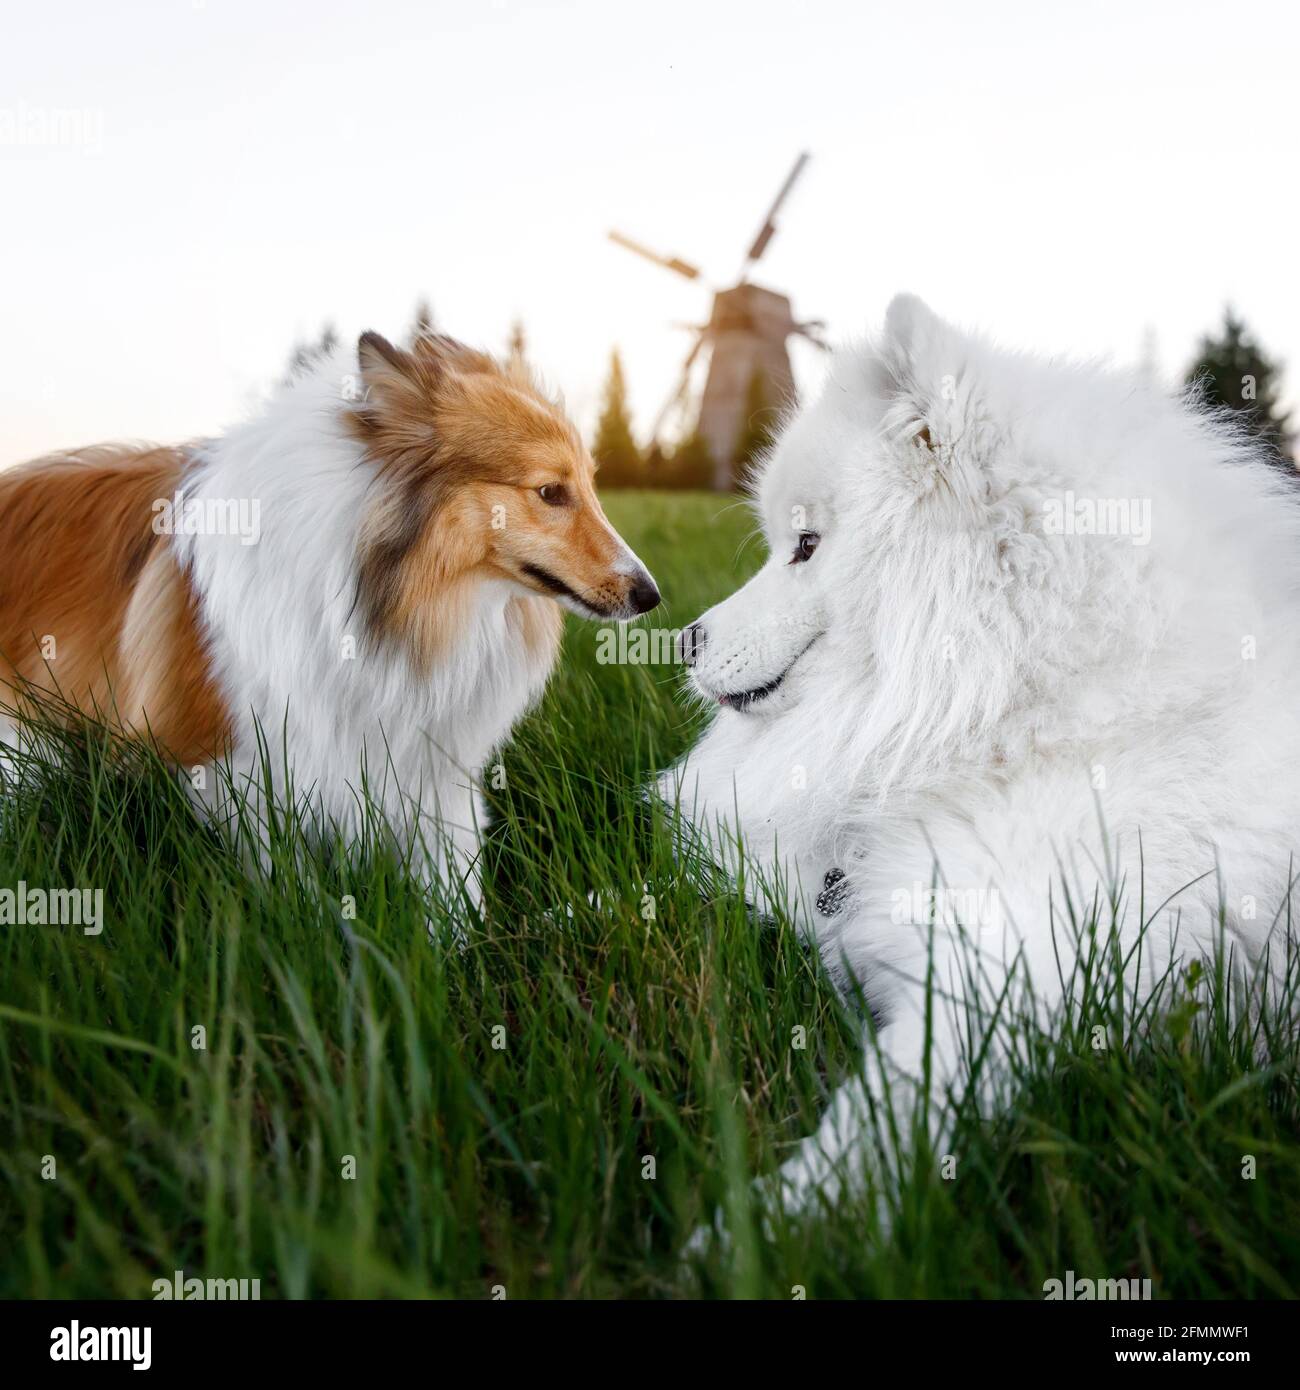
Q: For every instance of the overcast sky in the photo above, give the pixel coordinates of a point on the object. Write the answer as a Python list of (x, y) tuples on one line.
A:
[(188, 185)]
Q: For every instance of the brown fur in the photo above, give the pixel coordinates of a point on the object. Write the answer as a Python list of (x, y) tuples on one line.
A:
[(80, 565), (463, 446)]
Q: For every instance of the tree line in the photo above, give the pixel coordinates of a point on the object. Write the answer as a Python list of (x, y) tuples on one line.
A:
[(1230, 372)]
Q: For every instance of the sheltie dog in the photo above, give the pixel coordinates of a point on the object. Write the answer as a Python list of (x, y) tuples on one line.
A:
[(361, 586), (1026, 648)]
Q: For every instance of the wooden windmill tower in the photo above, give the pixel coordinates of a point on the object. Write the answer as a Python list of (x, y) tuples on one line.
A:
[(745, 339)]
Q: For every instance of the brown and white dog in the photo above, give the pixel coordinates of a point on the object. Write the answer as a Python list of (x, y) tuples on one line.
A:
[(365, 580)]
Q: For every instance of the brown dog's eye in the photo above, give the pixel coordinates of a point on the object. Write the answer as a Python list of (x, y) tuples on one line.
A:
[(553, 494), (807, 544)]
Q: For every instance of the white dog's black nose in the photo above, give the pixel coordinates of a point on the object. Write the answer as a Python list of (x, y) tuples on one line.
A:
[(692, 643)]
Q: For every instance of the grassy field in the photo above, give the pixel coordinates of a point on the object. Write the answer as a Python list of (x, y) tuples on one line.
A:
[(551, 1112)]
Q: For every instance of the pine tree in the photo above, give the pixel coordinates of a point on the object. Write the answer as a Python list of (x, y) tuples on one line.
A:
[(1233, 370), (304, 354), (422, 324), (517, 348), (657, 466), (691, 466), (614, 448)]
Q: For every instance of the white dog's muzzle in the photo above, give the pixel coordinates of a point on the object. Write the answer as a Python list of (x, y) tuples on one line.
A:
[(741, 651)]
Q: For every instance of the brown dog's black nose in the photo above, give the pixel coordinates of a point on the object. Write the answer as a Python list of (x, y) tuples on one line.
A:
[(644, 595), (692, 643)]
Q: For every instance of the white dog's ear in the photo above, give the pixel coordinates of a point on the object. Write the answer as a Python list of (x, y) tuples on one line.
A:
[(912, 328), (929, 380)]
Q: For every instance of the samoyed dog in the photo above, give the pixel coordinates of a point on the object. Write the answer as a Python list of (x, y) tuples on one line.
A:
[(1026, 642)]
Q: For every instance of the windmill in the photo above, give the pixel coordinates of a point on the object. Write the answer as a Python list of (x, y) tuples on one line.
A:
[(745, 338)]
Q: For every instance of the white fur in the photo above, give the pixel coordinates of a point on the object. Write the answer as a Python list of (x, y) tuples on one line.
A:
[(291, 655), (983, 693)]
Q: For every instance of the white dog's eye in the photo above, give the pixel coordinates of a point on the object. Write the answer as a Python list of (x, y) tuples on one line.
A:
[(807, 544)]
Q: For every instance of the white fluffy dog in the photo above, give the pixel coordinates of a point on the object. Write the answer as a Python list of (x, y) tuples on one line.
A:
[(1027, 632)]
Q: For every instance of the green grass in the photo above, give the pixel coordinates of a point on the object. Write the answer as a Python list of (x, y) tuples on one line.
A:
[(500, 1105)]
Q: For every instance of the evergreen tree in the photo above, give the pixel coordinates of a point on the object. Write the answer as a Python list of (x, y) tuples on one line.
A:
[(422, 324), (517, 348), (758, 429), (656, 466), (691, 467), (1233, 370), (304, 354), (614, 448)]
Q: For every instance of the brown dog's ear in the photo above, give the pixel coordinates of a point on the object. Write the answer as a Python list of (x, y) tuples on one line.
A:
[(450, 355), (399, 393), (392, 378), (380, 360), (402, 388)]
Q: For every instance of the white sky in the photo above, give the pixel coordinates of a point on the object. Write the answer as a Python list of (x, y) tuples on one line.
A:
[(249, 170)]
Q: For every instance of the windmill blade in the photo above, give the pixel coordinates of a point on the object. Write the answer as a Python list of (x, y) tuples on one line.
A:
[(814, 331), (673, 263), (683, 386), (768, 229)]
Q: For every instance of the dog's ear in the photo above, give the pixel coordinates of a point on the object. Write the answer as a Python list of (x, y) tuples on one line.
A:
[(447, 354), (912, 329), (929, 384), (383, 365), (398, 387)]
